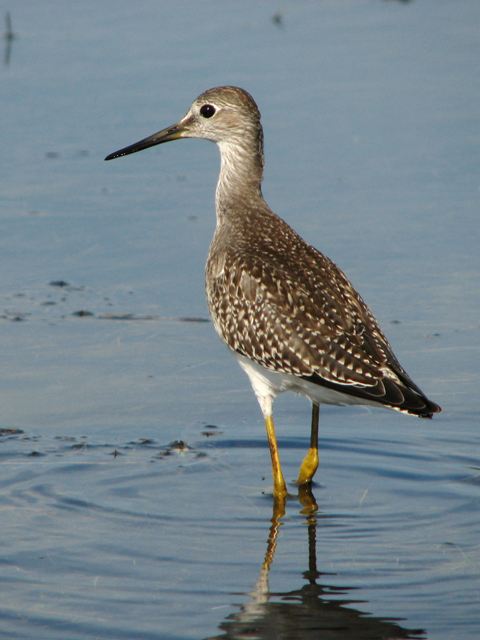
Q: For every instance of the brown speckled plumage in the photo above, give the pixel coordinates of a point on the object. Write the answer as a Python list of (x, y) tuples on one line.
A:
[(288, 312), (281, 303)]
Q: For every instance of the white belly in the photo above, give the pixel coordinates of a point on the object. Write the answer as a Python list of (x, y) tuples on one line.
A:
[(268, 384)]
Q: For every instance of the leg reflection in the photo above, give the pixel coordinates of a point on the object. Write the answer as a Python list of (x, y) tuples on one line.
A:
[(304, 613)]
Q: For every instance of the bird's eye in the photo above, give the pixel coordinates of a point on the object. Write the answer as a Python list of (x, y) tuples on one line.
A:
[(207, 111)]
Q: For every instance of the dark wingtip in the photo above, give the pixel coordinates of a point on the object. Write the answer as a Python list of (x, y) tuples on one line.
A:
[(427, 410), (431, 409), (420, 405), (389, 393)]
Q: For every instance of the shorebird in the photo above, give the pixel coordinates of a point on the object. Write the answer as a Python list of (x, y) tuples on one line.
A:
[(286, 311)]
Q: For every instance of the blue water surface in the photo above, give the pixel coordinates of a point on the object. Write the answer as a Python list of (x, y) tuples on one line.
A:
[(135, 481)]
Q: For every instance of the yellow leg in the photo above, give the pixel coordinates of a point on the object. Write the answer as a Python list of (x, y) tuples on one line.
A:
[(279, 486), (310, 462)]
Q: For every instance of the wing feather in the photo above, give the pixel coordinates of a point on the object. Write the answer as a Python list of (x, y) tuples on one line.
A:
[(300, 315)]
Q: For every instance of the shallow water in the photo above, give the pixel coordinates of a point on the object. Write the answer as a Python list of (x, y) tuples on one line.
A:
[(135, 484)]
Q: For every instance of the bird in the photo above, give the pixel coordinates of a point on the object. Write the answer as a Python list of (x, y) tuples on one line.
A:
[(290, 316)]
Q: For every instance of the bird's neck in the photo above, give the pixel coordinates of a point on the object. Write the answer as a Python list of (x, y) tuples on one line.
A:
[(241, 172)]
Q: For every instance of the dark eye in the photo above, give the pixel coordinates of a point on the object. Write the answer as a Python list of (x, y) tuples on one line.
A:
[(207, 111)]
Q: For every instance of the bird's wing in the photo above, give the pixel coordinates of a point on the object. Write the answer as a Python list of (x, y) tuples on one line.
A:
[(298, 323), (307, 321)]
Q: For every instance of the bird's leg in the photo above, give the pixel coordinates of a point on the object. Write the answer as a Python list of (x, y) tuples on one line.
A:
[(279, 486), (310, 462)]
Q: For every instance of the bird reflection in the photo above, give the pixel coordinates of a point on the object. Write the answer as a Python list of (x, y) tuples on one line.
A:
[(315, 610)]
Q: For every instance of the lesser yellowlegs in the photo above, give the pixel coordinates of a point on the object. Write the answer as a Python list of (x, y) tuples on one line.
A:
[(289, 314)]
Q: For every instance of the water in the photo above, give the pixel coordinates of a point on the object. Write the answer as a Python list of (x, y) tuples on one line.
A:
[(136, 498)]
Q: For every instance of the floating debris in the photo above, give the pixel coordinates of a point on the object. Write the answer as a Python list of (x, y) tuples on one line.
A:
[(9, 33), (192, 319), (126, 316), (211, 430), (9, 36), (178, 445), (80, 446), (277, 19), (83, 313), (142, 442), (13, 316), (7, 431)]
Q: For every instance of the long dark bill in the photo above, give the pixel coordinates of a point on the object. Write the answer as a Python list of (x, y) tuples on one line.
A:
[(165, 135)]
